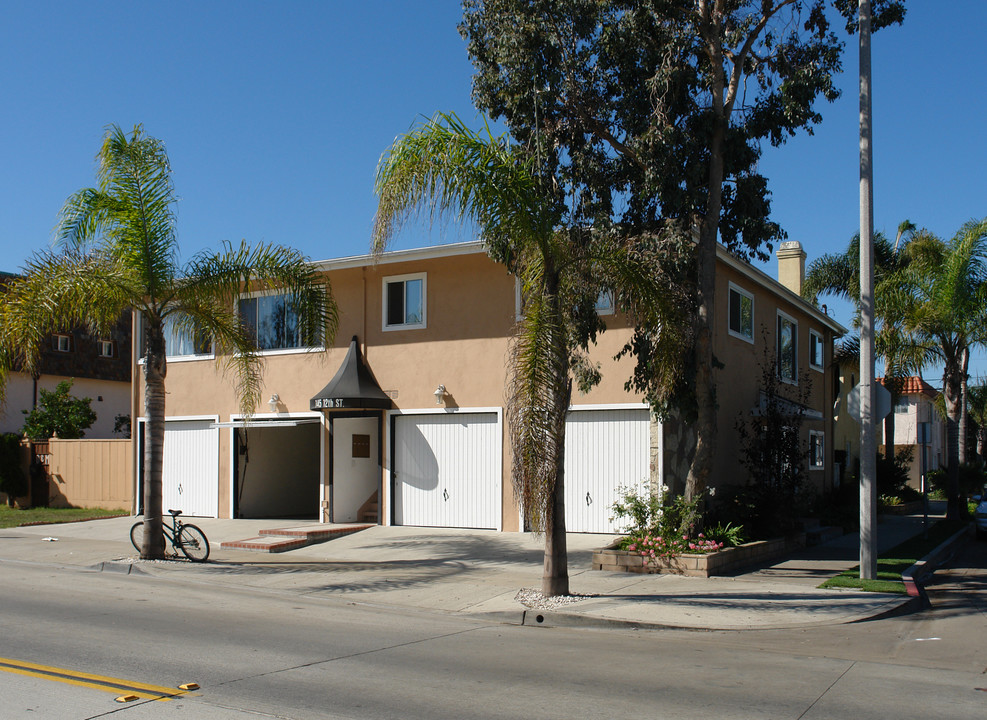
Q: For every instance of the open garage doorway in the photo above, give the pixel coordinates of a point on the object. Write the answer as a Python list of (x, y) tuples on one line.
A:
[(277, 469)]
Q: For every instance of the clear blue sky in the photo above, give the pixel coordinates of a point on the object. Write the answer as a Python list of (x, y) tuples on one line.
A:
[(275, 113)]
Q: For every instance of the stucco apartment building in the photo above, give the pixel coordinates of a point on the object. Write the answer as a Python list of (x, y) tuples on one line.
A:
[(403, 416)]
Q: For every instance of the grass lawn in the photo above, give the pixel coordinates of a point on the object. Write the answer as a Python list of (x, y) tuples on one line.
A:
[(14, 517), (894, 562)]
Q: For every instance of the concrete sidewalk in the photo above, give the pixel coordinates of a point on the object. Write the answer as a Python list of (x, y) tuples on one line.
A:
[(478, 573)]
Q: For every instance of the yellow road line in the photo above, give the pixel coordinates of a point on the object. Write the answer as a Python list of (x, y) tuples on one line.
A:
[(96, 682)]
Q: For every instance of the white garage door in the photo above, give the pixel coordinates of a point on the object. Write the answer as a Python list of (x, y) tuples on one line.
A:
[(190, 478), (447, 470), (605, 450)]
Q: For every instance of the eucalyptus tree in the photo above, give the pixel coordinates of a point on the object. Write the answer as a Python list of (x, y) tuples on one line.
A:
[(942, 300), (838, 274), (653, 113), (118, 253), (447, 170)]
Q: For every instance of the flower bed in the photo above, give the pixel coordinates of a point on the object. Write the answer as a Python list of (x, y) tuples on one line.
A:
[(721, 562)]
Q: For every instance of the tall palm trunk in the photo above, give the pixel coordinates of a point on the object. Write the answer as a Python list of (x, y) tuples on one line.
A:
[(155, 369), (963, 428), (952, 391), (555, 576)]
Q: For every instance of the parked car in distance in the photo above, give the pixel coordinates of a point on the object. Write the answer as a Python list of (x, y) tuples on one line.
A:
[(980, 514)]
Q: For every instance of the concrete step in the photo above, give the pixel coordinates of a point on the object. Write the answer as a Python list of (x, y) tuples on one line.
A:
[(278, 540)]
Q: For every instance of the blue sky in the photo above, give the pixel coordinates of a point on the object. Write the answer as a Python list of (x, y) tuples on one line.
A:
[(274, 116)]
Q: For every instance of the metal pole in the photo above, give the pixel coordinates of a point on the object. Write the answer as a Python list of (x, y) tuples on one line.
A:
[(868, 444)]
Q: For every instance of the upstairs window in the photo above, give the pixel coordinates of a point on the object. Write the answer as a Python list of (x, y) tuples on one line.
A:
[(61, 343), (272, 321), (788, 335), (404, 302), (106, 348), (816, 356), (604, 303), (741, 315), (181, 342)]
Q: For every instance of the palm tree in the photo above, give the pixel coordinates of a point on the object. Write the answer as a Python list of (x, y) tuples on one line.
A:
[(119, 253), (448, 169), (942, 300), (839, 274)]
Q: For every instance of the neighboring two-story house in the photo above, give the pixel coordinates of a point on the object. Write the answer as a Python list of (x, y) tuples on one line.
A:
[(99, 368), (919, 426), (404, 412)]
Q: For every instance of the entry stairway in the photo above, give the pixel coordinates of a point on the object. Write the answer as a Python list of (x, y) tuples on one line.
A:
[(278, 540)]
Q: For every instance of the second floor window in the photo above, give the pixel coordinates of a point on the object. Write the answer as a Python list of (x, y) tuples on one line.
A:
[(180, 342), (272, 320), (787, 349), (404, 302), (741, 313)]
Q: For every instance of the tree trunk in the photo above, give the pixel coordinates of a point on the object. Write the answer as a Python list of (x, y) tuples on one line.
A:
[(555, 577), (952, 392), (155, 369), (889, 432), (963, 429), (702, 462)]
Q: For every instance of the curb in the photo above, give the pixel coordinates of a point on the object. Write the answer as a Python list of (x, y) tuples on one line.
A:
[(916, 577)]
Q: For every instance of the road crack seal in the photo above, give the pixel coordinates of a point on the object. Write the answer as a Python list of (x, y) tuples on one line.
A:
[(826, 691)]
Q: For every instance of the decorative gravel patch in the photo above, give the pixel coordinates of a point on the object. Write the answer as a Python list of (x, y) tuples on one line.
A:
[(535, 600)]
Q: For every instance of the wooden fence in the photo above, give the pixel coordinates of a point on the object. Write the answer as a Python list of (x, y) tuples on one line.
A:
[(83, 473)]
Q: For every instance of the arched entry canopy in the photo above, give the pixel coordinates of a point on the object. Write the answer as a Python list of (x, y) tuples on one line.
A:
[(353, 387)]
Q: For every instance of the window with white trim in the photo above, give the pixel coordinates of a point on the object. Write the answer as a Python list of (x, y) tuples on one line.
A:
[(105, 348), (404, 302), (604, 303), (61, 343), (788, 336), (902, 407), (180, 342), (817, 450), (816, 351), (272, 320), (741, 313)]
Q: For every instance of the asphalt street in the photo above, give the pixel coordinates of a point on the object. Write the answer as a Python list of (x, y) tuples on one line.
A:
[(268, 652)]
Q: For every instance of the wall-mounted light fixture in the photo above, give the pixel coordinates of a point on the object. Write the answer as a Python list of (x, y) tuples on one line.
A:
[(440, 394), (273, 402)]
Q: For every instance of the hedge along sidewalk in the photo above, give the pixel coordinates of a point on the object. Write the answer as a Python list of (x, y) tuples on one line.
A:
[(893, 564)]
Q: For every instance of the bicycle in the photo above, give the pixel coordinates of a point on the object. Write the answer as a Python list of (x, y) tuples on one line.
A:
[(187, 538)]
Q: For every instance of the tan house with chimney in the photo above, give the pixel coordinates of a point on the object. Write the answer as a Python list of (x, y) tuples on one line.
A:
[(402, 419)]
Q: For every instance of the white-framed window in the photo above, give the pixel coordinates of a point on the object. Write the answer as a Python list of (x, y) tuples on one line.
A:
[(273, 321), (105, 348), (604, 303), (817, 450), (902, 406), (181, 342), (741, 313), (816, 351), (61, 343), (788, 340), (404, 302)]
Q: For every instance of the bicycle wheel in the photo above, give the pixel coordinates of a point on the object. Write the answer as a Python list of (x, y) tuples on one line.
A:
[(137, 536), (193, 543)]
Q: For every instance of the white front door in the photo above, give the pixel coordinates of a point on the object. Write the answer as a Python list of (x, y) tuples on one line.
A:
[(447, 470), (605, 450), (355, 466)]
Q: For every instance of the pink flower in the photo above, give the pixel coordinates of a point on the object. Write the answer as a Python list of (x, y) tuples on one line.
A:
[(632, 547), (701, 535)]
